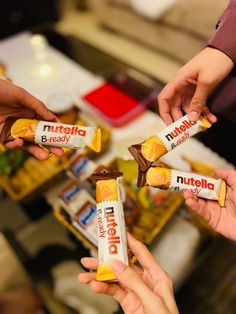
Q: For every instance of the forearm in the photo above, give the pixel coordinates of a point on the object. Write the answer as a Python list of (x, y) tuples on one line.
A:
[(224, 37)]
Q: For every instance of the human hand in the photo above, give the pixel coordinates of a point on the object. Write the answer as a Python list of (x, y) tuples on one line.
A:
[(189, 89), (221, 219), (17, 103), (148, 290)]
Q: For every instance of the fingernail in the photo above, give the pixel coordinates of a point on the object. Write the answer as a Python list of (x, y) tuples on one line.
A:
[(118, 266), (193, 115), (42, 156), (213, 118)]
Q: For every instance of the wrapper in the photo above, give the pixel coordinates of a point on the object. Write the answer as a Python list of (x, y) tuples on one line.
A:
[(164, 141), (90, 183), (80, 167), (81, 207), (70, 192), (57, 134), (85, 220), (112, 244), (174, 180)]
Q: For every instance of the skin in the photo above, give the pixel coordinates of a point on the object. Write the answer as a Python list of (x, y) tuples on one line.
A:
[(18, 103), (188, 90), (221, 219), (138, 290)]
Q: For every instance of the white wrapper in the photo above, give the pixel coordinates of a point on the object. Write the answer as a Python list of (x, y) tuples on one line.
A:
[(80, 205), (179, 131), (202, 186), (85, 220), (112, 242), (64, 135)]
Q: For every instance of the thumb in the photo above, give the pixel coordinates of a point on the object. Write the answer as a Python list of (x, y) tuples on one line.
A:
[(130, 280), (198, 101), (229, 176)]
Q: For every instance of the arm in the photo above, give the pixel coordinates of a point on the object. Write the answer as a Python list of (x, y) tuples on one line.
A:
[(189, 89), (224, 37), (138, 290), (16, 102)]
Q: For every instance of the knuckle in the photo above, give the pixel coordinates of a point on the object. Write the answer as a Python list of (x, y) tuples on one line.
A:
[(197, 103), (19, 92), (181, 75), (168, 280), (140, 246), (206, 81), (160, 98)]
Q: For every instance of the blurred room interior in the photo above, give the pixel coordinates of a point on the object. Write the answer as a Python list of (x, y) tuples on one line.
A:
[(63, 52)]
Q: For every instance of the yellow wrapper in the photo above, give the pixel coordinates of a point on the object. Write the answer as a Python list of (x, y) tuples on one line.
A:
[(25, 129)]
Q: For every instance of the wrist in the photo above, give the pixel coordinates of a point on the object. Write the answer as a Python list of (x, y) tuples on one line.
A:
[(223, 58)]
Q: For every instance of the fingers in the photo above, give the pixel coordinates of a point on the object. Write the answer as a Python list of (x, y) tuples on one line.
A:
[(210, 116), (227, 175), (199, 209), (90, 263), (199, 100), (175, 109), (111, 289), (208, 210), (145, 258), (87, 277), (160, 280), (24, 98), (37, 151), (194, 203), (171, 98), (15, 144), (164, 99), (57, 151), (128, 278)]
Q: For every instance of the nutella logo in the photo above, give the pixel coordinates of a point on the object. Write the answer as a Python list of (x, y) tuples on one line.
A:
[(111, 230), (202, 183), (184, 126), (71, 130), (113, 239)]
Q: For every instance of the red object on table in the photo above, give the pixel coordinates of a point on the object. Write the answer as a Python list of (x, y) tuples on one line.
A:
[(116, 107)]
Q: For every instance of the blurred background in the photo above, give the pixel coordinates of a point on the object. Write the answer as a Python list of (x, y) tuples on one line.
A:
[(103, 63)]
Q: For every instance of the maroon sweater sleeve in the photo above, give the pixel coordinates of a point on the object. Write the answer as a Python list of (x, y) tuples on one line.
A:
[(224, 37)]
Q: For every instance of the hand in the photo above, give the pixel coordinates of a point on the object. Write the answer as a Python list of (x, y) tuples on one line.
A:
[(18, 103), (148, 290), (221, 219), (192, 84)]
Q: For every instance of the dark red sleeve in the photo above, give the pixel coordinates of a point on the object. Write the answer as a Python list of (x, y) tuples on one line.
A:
[(224, 37)]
